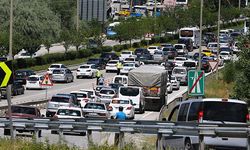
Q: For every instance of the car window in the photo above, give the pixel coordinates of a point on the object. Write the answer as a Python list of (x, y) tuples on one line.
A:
[(183, 112), (194, 110), (126, 52), (129, 91), (103, 91), (60, 99), (225, 111), (173, 114), (58, 71), (179, 71), (178, 47), (120, 102), (79, 95), (68, 112), (84, 67), (63, 66), (23, 110), (55, 66), (33, 79), (94, 106), (118, 80)]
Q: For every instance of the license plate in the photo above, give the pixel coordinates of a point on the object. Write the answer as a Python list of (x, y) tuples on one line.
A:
[(92, 114)]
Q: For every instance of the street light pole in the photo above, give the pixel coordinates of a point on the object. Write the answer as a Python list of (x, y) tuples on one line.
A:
[(10, 58), (201, 11), (77, 16), (218, 41)]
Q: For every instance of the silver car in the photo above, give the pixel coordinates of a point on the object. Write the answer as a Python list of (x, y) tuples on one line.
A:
[(62, 75), (159, 56), (96, 110), (181, 74)]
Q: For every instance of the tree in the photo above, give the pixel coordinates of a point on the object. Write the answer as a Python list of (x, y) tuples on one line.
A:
[(31, 25), (66, 37), (95, 29)]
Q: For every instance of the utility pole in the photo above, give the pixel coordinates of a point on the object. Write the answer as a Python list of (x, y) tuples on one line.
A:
[(201, 11), (77, 16), (239, 3), (10, 58), (218, 41)]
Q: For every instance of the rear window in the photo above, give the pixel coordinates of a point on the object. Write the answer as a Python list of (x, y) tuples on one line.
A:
[(60, 99), (178, 46), (23, 110), (126, 52), (129, 59), (179, 71), (180, 58), (129, 91), (33, 79), (84, 67), (94, 106), (107, 92), (225, 111), (80, 95), (67, 112), (112, 62), (58, 71), (206, 51), (189, 64), (55, 66), (120, 102)]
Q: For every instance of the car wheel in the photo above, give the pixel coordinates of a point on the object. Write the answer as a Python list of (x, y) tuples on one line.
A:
[(6, 132), (188, 145), (77, 77), (67, 80), (92, 76)]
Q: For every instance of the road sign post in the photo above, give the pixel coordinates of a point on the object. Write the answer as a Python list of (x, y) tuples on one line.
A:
[(196, 83)]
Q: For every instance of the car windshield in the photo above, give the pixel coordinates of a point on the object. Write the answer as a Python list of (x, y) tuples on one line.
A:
[(128, 65), (112, 62), (152, 48), (58, 71), (172, 78), (33, 79), (104, 91), (129, 59), (60, 99), (126, 52), (158, 53), (129, 91), (189, 64), (178, 46), (95, 106), (206, 51), (80, 95), (225, 111), (23, 110), (223, 53), (84, 67), (55, 66), (68, 112), (120, 102), (179, 71)]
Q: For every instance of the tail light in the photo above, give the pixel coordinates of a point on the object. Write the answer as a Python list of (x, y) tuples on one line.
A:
[(129, 108), (159, 91), (200, 116), (247, 117)]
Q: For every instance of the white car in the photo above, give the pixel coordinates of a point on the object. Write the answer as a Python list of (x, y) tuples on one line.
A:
[(82, 97), (175, 83), (127, 67), (126, 54), (91, 93), (111, 65), (55, 66), (107, 94), (96, 110), (212, 46), (128, 107), (181, 49), (152, 49), (169, 87), (225, 55), (179, 61), (235, 47), (86, 70), (34, 82)]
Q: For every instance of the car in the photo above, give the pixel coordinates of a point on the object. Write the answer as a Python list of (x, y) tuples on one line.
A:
[(142, 52), (171, 52), (235, 35), (96, 110), (179, 61), (205, 64), (169, 66), (225, 42), (107, 56), (207, 52), (55, 66), (126, 54), (152, 49), (106, 94), (24, 112), (169, 87), (111, 65), (127, 104), (225, 55), (65, 112), (175, 83), (226, 48), (187, 42), (22, 75), (98, 62), (16, 89), (86, 70), (122, 79), (181, 74), (167, 45), (212, 45), (91, 93), (115, 86), (34, 82), (210, 111), (190, 64), (62, 75), (82, 97), (127, 67), (209, 37), (196, 56), (181, 49), (235, 47), (159, 56), (59, 100)]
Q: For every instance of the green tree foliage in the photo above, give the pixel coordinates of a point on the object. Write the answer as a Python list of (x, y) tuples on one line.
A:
[(33, 22)]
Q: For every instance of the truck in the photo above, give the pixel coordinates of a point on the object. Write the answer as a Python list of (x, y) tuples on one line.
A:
[(153, 81)]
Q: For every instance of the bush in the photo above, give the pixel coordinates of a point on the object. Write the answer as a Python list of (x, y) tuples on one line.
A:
[(125, 46), (40, 61), (83, 53), (71, 55), (136, 45), (229, 72), (144, 42), (30, 62), (21, 63), (96, 50), (106, 49), (55, 57), (117, 48)]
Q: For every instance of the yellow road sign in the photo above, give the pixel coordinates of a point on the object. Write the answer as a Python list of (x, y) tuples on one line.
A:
[(6, 73)]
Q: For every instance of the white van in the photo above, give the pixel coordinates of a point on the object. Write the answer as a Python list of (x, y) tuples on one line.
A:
[(135, 94), (123, 79)]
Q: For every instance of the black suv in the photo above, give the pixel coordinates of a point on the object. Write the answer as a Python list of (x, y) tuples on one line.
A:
[(98, 62), (109, 56), (22, 75)]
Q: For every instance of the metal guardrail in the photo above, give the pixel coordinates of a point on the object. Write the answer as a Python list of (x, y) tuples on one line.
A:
[(159, 128)]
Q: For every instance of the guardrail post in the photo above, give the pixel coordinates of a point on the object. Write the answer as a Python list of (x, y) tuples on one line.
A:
[(36, 135), (159, 142), (121, 140), (201, 142), (14, 132), (60, 133), (89, 136), (248, 142)]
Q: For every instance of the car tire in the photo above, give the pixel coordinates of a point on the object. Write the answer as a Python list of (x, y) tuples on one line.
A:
[(188, 145), (78, 77), (6, 132)]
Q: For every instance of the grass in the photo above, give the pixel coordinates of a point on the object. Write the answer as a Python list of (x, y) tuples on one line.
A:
[(217, 88)]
